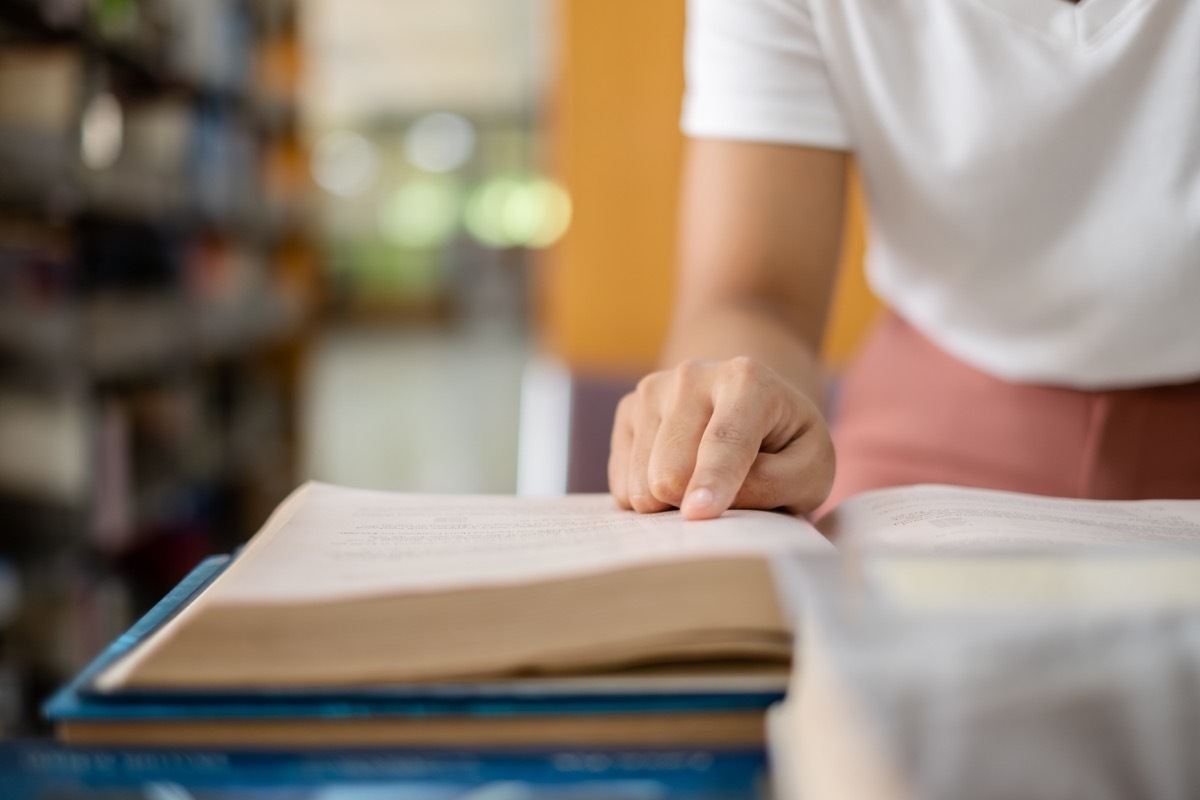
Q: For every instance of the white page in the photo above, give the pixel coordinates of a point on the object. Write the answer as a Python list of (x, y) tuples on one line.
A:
[(954, 518), (333, 543)]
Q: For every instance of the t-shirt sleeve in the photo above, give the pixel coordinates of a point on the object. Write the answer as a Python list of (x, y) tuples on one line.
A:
[(755, 71)]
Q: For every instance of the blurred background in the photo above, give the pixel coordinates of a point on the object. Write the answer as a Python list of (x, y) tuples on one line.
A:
[(243, 243)]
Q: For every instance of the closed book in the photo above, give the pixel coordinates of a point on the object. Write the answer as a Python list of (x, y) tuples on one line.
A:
[(40, 771)]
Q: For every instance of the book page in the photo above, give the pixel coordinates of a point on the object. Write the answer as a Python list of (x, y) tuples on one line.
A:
[(330, 543), (953, 518), (1033, 583)]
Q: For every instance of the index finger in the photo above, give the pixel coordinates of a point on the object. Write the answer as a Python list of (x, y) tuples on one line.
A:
[(730, 444)]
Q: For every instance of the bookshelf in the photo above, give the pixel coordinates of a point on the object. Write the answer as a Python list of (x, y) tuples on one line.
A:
[(158, 284)]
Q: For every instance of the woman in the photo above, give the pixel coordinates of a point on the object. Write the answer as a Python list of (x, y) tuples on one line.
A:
[(1032, 170)]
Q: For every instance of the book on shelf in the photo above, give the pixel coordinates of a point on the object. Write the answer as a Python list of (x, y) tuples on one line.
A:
[(382, 618), (41, 89), (46, 450)]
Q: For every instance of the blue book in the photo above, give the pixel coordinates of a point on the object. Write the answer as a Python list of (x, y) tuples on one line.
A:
[(700, 709), (41, 771)]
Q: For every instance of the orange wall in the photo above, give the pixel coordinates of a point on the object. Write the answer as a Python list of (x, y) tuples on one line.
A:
[(854, 306), (604, 291)]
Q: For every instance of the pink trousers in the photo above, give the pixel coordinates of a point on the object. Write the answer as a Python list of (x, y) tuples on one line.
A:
[(909, 413)]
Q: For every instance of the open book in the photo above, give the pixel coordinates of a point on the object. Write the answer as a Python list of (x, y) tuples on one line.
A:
[(606, 621), (345, 586)]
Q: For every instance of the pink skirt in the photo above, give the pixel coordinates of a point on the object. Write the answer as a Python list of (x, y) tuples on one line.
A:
[(909, 413)]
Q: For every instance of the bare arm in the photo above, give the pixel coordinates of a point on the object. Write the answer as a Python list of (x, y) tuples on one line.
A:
[(733, 412), (760, 232)]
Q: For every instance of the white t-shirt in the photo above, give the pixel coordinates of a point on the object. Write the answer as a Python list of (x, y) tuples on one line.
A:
[(1032, 166)]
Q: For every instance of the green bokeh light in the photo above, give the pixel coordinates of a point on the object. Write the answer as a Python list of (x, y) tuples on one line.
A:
[(554, 214), (513, 212), (422, 213), (484, 213)]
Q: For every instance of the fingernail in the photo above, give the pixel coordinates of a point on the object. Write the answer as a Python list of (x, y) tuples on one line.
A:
[(699, 499)]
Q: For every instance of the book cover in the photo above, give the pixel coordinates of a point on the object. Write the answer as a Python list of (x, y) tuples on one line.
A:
[(40, 771)]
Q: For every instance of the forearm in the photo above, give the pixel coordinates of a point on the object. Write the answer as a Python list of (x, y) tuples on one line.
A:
[(760, 232)]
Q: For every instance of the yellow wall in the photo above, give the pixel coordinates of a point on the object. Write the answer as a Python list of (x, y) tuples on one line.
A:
[(604, 292)]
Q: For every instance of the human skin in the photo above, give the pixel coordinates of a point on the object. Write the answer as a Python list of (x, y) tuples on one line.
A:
[(731, 420)]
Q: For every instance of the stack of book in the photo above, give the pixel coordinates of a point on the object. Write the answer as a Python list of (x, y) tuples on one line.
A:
[(358, 618)]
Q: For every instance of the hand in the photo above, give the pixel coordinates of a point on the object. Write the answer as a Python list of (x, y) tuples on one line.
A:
[(711, 435)]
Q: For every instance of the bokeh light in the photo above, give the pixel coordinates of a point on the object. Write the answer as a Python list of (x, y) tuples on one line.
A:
[(553, 206), (440, 142), (421, 213), (484, 213), (511, 212), (101, 132), (345, 163)]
